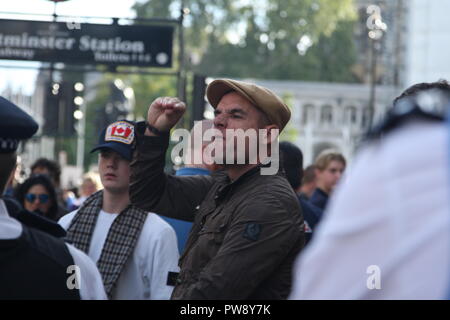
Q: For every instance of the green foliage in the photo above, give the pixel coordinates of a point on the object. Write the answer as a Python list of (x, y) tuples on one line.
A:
[(244, 39), (146, 89), (260, 39), (69, 145), (290, 132)]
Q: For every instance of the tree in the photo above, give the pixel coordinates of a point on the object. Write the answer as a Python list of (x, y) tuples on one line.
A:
[(146, 88), (272, 39)]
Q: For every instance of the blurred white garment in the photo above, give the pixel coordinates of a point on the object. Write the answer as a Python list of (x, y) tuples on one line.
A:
[(391, 214)]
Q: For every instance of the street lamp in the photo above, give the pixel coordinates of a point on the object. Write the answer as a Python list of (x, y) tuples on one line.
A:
[(80, 115), (376, 28)]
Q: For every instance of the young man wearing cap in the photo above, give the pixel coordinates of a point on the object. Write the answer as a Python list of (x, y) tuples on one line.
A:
[(135, 250), (248, 227), (33, 264)]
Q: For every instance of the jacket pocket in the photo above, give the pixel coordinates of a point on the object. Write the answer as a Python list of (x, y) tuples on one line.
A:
[(215, 233)]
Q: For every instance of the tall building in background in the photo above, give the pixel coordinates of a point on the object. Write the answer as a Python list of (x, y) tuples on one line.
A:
[(428, 47), (328, 115), (415, 47), (37, 146), (391, 55)]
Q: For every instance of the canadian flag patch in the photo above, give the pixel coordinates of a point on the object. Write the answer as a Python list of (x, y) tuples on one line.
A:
[(120, 131)]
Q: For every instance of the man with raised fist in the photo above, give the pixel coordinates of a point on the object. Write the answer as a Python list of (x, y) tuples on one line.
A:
[(248, 226)]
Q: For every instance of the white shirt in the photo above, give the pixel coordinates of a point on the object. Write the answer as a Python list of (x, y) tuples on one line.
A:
[(90, 281), (155, 255), (392, 213)]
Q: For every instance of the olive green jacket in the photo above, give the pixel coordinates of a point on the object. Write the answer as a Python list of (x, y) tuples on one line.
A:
[(246, 234)]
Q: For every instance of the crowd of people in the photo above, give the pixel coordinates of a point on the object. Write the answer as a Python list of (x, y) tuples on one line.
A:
[(221, 230), (40, 191)]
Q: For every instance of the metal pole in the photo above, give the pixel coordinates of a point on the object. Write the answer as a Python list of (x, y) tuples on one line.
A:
[(51, 64), (376, 28), (60, 116), (80, 141), (181, 75), (398, 43), (373, 80)]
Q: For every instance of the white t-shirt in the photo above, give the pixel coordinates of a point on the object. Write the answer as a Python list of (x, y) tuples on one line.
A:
[(90, 281), (155, 255), (386, 234)]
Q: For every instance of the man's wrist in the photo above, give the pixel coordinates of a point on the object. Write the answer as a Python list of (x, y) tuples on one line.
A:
[(153, 130), (144, 128), (143, 140)]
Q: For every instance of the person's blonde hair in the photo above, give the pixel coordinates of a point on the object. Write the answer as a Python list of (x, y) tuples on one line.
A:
[(324, 159), (93, 177)]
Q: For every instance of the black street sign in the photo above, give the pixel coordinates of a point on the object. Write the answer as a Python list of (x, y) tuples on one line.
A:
[(85, 43)]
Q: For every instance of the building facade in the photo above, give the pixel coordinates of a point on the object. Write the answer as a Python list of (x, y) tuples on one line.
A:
[(428, 47), (329, 115), (390, 50)]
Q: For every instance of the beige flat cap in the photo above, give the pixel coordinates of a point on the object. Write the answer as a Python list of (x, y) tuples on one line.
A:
[(264, 99)]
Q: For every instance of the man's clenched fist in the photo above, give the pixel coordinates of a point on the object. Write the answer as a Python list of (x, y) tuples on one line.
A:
[(164, 113)]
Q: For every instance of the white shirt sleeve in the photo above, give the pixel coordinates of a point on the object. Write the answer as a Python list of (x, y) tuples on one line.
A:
[(165, 260), (90, 281)]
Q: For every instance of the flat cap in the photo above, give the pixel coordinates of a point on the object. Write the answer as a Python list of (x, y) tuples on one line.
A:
[(262, 98), (15, 125)]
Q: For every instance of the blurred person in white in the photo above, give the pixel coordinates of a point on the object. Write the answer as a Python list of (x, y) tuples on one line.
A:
[(387, 232), (136, 251)]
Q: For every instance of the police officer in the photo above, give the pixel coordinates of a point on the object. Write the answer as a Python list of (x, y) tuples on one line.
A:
[(34, 264), (387, 232)]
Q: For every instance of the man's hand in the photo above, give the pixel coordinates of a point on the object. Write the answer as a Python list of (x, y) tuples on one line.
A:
[(164, 113)]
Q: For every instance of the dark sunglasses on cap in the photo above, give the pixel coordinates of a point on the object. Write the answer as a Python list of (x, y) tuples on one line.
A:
[(43, 198)]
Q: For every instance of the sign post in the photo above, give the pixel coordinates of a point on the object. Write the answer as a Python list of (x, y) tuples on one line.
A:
[(113, 45)]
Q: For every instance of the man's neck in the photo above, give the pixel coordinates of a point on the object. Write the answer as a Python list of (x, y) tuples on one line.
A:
[(235, 171), (115, 202)]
